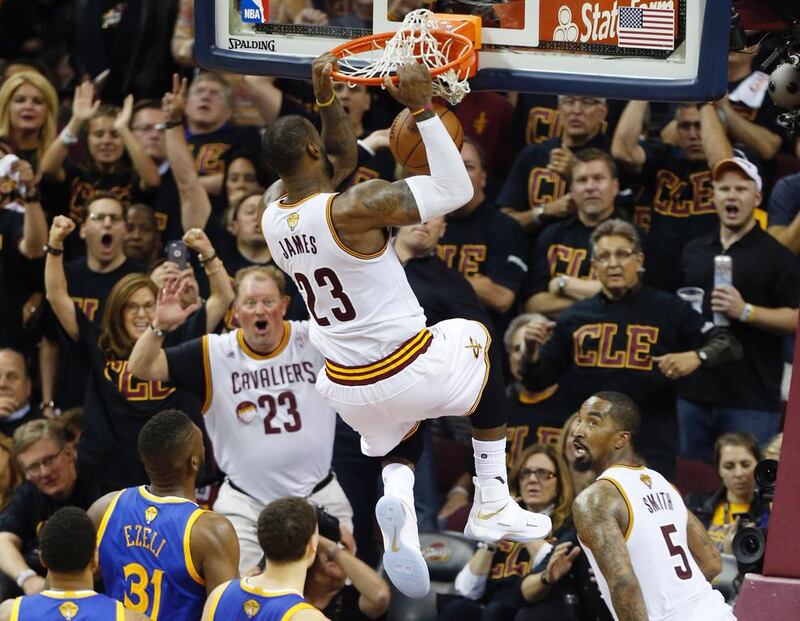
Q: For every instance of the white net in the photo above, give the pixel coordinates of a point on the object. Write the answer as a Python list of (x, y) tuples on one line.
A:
[(414, 41)]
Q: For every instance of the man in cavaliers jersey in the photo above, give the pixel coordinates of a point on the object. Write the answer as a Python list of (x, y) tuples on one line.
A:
[(384, 370), (67, 545), (652, 558), (159, 553), (260, 407), (287, 533)]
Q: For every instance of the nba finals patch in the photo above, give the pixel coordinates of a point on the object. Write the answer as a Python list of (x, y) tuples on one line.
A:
[(150, 514), (251, 608), (645, 478), (246, 411), (68, 610), (292, 221)]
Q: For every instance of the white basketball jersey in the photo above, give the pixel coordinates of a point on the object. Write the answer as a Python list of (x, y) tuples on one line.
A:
[(271, 430), (672, 584), (362, 306)]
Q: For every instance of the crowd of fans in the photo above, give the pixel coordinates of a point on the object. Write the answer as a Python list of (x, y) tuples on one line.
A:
[(130, 244)]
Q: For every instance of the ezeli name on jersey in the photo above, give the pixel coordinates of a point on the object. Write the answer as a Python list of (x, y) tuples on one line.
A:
[(269, 377), (140, 536), (658, 501), (298, 244)]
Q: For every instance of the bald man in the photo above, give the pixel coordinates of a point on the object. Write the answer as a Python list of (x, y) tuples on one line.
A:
[(159, 552)]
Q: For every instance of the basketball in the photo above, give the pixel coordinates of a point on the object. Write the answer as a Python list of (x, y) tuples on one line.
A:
[(406, 142)]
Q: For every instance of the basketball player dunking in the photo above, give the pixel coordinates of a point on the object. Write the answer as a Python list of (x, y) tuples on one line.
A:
[(384, 370), (651, 556)]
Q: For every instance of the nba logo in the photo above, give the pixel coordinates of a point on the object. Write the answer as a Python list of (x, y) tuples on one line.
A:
[(255, 11)]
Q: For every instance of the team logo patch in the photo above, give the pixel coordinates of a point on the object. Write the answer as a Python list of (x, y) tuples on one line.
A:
[(645, 478), (68, 610), (246, 411), (251, 608), (150, 514), (474, 346), (292, 221)]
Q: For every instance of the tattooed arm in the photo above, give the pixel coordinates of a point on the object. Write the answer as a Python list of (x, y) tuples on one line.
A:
[(702, 548), (601, 518)]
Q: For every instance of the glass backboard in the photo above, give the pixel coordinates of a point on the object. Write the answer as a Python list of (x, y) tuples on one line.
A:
[(668, 50)]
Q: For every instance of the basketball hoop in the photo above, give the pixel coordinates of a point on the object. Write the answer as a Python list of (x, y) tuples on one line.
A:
[(446, 44)]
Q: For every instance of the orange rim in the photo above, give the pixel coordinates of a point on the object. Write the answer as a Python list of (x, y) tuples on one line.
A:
[(464, 59)]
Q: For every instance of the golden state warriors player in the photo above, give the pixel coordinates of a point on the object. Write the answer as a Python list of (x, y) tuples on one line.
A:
[(652, 558), (66, 548), (384, 369), (161, 554), (287, 532)]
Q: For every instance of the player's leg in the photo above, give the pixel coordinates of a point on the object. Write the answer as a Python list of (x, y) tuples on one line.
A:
[(402, 557), (495, 515), (242, 511)]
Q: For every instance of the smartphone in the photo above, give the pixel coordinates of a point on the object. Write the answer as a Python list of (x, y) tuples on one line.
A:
[(178, 253), (99, 82)]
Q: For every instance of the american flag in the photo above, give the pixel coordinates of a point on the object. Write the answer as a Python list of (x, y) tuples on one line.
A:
[(646, 28)]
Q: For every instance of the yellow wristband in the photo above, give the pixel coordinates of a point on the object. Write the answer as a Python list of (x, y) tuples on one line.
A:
[(327, 103)]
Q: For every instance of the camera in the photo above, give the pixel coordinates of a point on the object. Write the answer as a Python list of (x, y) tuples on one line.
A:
[(327, 524), (750, 542)]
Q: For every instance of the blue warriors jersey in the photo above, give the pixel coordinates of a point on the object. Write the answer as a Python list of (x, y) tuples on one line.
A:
[(52, 605), (238, 601), (145, 556)]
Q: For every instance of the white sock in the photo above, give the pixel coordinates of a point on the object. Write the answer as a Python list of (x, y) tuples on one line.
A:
[(399, 479), (490, 461)]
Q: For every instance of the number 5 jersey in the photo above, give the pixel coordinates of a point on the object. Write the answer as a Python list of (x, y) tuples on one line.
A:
[(673, 587), (145, 557)]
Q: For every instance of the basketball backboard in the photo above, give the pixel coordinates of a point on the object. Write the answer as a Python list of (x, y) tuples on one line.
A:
[(666, 50)]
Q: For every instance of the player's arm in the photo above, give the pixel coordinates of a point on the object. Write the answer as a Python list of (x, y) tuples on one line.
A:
[(130, 615), (377, 203), (600, 514), (702, 548), (308, 614), (625, 146), (215, 548), (212, 601), (337, 130), (5, 609)]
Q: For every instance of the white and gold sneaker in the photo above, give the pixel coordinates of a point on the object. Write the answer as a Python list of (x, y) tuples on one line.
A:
[(402, 558), (495, 515)]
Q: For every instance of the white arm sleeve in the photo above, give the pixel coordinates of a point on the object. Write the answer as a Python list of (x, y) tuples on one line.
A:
[(469, 585), (448, 187)]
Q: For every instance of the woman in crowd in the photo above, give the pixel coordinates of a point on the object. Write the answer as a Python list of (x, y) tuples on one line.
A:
[(109, 140), (28, 109), (489, 583), (117, 404), (244, 175), (735, 459), (10, 473)]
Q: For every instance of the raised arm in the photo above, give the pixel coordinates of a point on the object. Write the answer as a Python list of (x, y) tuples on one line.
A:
[(55, 281), (219, 281), (763, 141), (83, 107), (337, 130), (148, 360), (377, 203), (195, 204), (625, 146), (600, 514), (702, 548), (143, 164), (715, 141), (34, 224)]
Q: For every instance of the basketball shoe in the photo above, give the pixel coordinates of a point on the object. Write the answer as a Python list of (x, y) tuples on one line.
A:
[(495, 515)]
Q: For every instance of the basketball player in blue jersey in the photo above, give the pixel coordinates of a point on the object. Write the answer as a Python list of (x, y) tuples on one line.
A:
[(385, 370), (159, 553), (66, 549), (287, 532), (652, 558)]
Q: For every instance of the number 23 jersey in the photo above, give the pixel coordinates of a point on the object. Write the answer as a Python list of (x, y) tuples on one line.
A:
[(271, 430), (673, 587)]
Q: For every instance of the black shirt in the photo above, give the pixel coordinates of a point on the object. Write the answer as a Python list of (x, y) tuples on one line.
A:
[(370, 165), (117, 405), (679, 194), (30, 508), (765, 274), (534, 418), (530, 182), (11, 298), (603, 344)]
